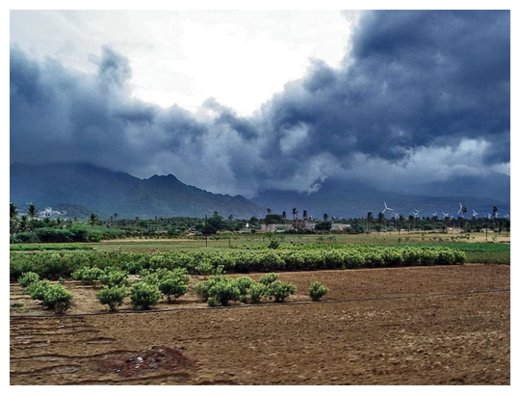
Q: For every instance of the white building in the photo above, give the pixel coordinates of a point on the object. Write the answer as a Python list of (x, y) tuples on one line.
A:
[(340, 227), (275, 227), (49, 213)]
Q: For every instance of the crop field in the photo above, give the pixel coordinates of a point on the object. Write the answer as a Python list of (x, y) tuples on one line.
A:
[(414, 325), (396, 312)]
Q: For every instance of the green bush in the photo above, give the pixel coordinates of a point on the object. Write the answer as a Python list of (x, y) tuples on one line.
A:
[(256, 292), (28, 278), (202, 288), (225, 291), (112, 296), (244, 284), (268, 278), (317, 290), (56, 297), (143, 295), (87, 275), (37, 289), (132, 267), (114, 277), (279, 290), (174, 284)]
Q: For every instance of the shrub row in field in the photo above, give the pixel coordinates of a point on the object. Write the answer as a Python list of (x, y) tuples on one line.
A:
[(220, 290), (53, 265)]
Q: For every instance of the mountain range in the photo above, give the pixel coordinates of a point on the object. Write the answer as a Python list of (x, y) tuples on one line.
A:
[(81, 189)]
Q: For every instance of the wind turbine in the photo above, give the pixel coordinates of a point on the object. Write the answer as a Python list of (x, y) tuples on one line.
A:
[(462, 209), (387, 208), (475, 214), (445, 215)]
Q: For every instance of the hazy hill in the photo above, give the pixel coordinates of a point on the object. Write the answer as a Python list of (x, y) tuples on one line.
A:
[(81, 189), (89, 188)]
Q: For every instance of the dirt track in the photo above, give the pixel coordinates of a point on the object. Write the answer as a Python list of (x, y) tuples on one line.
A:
[(434, 325)]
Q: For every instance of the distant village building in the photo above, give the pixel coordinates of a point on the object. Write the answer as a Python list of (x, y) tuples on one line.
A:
[(307, 225), (275, 227), (49, 213), (340, 227), (302, 225)]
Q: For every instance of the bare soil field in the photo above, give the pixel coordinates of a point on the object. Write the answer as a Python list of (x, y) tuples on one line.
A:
[(425, 325)]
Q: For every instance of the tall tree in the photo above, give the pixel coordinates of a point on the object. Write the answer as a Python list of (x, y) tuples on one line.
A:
[(13, 219), (13, 210), (294, 214), (31, 212), (380, 220), (93, 219)]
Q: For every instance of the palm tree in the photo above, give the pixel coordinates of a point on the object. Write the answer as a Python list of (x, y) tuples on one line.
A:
[(12, 217), (12, 210), (294, 214), (284, 215), (325, 217), (369, 219), (380, 220), (269, 211), (31, 212), (305, 215), (93, 219)]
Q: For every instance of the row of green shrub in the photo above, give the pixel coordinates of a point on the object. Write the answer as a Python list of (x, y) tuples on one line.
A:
[(220, 290), (146, 292), (53, 265)]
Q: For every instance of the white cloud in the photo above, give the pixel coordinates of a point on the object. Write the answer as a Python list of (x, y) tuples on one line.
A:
[(183, 57), (426, 164)]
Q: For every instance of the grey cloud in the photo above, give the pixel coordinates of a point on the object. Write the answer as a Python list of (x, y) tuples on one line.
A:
[(414, 81)]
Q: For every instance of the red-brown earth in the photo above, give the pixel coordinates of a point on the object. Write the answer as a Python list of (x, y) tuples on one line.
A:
[(425, 325)]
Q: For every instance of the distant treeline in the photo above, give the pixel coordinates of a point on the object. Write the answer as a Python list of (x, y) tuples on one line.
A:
[(30, 229)]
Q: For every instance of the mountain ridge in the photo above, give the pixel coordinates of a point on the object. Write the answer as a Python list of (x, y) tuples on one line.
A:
[(86, 188), (105, 192)]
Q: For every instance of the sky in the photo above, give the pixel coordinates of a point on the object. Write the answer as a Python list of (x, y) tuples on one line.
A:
[(243, 101)]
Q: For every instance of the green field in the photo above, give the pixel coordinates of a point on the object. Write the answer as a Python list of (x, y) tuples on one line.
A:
[(477, 250)]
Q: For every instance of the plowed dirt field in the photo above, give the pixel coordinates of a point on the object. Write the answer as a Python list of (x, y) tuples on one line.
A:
[(427, 325)]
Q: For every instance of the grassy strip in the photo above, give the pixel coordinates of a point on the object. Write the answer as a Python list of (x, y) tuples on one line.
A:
[(50, 247)]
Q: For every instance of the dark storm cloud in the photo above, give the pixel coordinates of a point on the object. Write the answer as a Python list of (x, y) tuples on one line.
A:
[(414, 82), (113, 68), (415, 77)]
